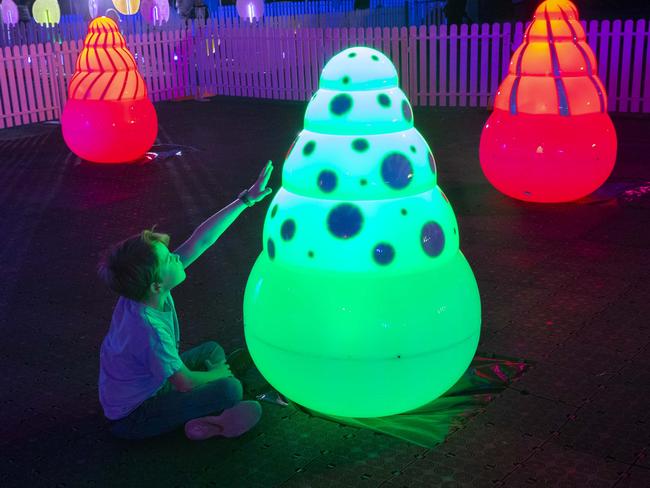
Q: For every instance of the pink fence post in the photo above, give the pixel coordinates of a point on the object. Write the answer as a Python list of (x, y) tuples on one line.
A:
[(433, 64), (646, 85), (640, 42), (7, 109), (626, 60), (484, 64), (495, 76), (422, 65), (473, 65), (612, 85), (463, 66), (453, 65)]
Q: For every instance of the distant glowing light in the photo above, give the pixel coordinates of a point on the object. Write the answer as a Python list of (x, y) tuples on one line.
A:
[(9, 11), (250, 9), (127, 7), (93, 8), (46, 12), (155, 12)]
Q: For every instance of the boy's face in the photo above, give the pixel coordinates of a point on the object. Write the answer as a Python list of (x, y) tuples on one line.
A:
[(170, 268)]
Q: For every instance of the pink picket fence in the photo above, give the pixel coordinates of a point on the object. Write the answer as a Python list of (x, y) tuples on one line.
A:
[(438, 65)]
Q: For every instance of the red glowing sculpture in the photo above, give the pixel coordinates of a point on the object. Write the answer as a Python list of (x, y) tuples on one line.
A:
[(550, 138), (108, 117)]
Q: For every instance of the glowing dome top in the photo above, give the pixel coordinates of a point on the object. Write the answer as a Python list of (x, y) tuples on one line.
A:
[(554, 70), (359, 145), (376, 104), (106, 69)]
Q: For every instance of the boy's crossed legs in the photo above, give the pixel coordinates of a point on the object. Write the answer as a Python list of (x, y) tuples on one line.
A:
[(170, 409)]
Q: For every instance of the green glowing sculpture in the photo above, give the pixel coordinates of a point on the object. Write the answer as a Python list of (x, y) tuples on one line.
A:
[(361, 303)]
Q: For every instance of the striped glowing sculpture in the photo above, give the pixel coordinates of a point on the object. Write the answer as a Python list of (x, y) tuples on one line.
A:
[(361, 303), (550, 138), (46, 12), (108, 117), (9, 12)]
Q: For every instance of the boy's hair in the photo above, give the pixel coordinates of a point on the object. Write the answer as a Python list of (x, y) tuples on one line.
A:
[(131, 266)]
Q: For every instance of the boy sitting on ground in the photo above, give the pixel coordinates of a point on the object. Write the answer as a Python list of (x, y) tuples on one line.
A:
[(145, 387)]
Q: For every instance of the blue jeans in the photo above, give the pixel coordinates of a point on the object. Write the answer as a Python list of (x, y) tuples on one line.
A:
[(169, 409)]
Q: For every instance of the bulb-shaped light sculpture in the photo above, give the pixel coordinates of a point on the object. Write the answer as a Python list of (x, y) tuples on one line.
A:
[(361, 303), (250, 9), (9, 11), (46, 12), (127, 7), (155, 12), (549, 138), (108, 117)]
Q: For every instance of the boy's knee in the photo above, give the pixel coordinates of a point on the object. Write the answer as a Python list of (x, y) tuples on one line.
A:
[(233, 390), (216, 351)]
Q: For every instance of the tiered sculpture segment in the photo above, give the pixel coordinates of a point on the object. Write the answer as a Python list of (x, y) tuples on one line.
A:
[(550, 138), (361, 303), (108, 117)]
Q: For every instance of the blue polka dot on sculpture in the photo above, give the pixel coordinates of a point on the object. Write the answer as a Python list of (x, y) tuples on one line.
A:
[(432, 239), (270, 248), (341, 104), (344, 220), (383, 100), (360, 145), (396, 170), (327, 181), (383, 253), (406, 110), (309, 148), (274, 210), (288, 229)]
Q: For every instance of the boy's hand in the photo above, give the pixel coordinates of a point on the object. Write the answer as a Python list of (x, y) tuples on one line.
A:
[(219, 370), (259, 190)]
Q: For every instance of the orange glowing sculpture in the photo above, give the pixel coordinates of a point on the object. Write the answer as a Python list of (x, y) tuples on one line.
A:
[(550, 138), (108, 117)]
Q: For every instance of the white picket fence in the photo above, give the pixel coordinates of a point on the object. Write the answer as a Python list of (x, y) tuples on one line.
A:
[(438, 65)]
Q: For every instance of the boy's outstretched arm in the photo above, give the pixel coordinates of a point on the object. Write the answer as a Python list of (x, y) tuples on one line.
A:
[(209, 231)]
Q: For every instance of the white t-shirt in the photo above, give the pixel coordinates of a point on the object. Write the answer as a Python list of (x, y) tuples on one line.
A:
[(137, 355)]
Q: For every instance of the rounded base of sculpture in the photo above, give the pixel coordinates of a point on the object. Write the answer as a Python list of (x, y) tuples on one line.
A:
[(109, 131), (547, 158), (362, 345)]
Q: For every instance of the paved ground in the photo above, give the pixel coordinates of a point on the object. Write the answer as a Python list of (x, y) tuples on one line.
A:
[(564, 286)]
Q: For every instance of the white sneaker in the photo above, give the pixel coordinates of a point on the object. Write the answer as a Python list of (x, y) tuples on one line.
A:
[(232, 422)]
